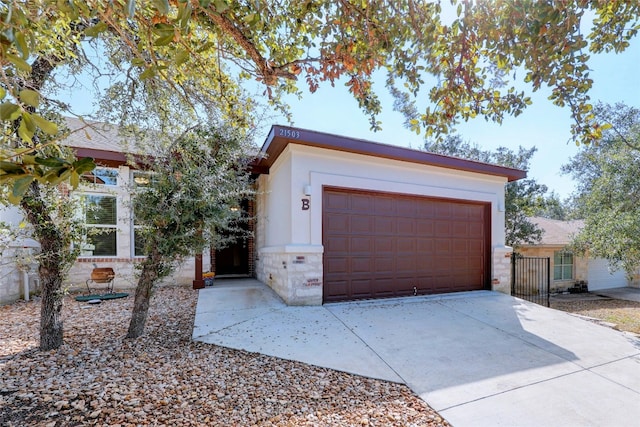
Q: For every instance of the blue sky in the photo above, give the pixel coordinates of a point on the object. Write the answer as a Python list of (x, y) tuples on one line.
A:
[(542, 125)]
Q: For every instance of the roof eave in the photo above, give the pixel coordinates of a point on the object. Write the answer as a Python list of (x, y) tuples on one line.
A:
[(280, 136)]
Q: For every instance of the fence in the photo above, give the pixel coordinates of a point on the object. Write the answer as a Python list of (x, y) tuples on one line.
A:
[(530, 278)]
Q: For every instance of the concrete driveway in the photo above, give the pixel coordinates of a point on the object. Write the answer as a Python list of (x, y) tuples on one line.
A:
[(478, 358)]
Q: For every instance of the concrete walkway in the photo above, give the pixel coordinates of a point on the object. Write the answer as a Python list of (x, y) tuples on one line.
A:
[(628, 294), (479, 358)]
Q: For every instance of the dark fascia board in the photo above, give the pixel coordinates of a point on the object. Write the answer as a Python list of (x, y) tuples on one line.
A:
[(280, 136), (102, 157)]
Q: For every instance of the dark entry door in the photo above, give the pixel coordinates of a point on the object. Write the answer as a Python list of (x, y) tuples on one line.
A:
[(233, 259)]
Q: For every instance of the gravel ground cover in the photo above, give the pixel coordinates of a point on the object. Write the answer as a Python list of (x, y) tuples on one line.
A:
[(619, 314), (163, 378)]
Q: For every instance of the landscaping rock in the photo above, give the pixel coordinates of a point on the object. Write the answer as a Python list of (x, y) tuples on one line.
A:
[(163, 378)]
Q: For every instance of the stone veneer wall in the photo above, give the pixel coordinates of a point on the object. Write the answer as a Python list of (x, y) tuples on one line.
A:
[(501, 269), (125, 273), (295, 276)]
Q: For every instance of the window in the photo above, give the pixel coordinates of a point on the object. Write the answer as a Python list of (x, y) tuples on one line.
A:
[(562, 265), (141, 180), (100, 220), (102, 176)]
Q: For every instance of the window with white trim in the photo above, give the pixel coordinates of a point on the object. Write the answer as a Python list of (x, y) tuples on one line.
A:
[(100, 218), (141, 181), (562, 265), (102, 176)]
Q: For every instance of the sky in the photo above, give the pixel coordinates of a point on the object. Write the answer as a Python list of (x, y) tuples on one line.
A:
[(542, 125)]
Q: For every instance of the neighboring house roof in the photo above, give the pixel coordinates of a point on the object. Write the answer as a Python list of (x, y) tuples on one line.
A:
[(280, 136), (556, 232)]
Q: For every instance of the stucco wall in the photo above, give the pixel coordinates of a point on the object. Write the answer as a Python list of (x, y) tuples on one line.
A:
[(286, 222)]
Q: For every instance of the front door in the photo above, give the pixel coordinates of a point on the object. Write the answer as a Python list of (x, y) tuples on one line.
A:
[(233, 260)]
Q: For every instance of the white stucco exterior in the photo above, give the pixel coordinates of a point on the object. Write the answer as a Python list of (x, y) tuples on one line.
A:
[(288, 231)]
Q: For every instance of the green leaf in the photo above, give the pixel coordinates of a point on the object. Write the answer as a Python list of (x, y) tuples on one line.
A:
[(21, 44), (164, 40), (50, 162), (181, 57), (21, 185), (74, 180), (162, 6), (220, 5), (3, 92), (14, 200), (148, 73), (95, 30), (10, 167), (28, 159), (26, 128), (138, 62), (30, 97), (47, 127), (20, 63), (84, 165), (9, 111)]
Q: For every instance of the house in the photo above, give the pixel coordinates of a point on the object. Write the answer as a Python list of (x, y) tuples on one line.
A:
[(106, 191), (335, 218), (339, 218), (566, 269)]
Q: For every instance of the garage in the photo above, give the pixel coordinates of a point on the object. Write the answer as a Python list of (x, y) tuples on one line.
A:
[(600, 277), (380, 245)]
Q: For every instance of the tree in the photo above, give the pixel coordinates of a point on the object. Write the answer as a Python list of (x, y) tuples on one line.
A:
[(555, 208), (202, 51), (608, 190), (522, 198), (195, 185)]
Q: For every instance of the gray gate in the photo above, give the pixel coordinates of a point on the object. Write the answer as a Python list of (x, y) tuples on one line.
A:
[(530, 278)]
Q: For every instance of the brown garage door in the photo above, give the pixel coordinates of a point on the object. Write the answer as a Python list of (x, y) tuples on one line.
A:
[(385, 245)]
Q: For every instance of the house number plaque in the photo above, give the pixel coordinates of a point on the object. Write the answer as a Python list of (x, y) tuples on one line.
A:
[(305, 204)]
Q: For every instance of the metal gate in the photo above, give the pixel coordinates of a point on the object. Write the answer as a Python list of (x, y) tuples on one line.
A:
[(530, 278)]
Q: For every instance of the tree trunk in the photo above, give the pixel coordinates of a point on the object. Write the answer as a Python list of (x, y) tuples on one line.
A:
[(147, 279), (51, 332), (52, 248)]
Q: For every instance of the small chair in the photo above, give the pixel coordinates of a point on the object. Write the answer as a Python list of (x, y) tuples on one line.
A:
[(102, 275)]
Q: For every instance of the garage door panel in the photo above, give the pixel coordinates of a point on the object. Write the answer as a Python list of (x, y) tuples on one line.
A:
[(361, 265), (384, 226), (361, 244), (383, 206), (443, 246), (337, 265), (336, 290), (361, 288), (384, 265), (361, 225), (406, 265), (424, 227), (382, 245), (406, 208), (442, 228), (338, 244), (337, 224), (406, 245), (361, 203), (336, 201)]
